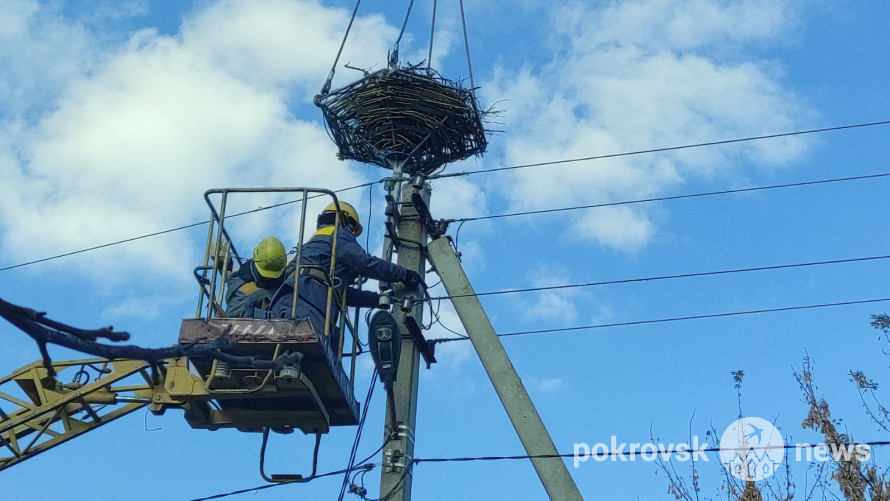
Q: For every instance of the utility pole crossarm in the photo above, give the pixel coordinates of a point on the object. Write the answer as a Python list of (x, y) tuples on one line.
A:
[(532, 433)]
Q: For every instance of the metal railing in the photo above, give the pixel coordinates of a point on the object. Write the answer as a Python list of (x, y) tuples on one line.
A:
[(220, 254)]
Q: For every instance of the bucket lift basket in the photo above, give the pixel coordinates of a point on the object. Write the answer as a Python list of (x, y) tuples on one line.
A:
[(311, 393)]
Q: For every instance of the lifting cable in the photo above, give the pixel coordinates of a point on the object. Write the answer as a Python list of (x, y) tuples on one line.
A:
[(429, 58), (394, 57), (327, 83), (463, 21)]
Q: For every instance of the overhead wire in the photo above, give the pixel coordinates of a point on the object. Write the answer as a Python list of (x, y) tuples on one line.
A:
[(358, 436), (675, 319), (669, 277), (555, 162), (637, 452), (673, 197), (178, 228), (594, 454), (663, 149)]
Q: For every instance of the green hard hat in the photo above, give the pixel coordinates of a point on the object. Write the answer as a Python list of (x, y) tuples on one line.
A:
[(270, 257)]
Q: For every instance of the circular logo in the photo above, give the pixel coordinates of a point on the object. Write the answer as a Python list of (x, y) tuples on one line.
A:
[(751, 448)]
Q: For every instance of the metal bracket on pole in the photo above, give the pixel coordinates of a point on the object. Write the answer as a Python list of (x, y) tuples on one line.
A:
[(427, 350), (528, 424), (434, 228)]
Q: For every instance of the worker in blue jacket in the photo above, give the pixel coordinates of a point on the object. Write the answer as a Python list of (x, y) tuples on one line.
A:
[(352, 261), (252, 290)]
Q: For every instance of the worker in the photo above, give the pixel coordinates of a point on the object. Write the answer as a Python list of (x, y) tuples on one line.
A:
[(251, 291), (352, 261)]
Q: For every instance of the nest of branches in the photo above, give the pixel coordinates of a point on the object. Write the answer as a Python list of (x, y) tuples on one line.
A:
[(410, 115)]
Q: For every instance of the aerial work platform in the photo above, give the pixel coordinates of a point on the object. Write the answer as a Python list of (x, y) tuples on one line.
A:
[(312, 395)]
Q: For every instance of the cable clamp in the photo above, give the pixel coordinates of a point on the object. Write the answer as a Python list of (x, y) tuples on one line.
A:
[(396, 460)]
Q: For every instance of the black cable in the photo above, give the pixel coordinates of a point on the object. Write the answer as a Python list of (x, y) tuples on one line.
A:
[(675, 319), (327, 84), (660, 150), (358, 436), (463, 21), (193, 225), (669, 277), (404, 23), (848, 445), (269, 486), (676, 450), (674, 197), (455, 174), (429, 59), (556, 162)]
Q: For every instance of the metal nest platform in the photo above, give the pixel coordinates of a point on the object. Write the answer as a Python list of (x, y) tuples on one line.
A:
[(410, 117)]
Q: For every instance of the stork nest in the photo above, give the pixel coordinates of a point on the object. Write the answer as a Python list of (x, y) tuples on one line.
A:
[(410, 115)]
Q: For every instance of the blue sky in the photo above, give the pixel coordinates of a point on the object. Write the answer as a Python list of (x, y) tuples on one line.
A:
[(115, 117)]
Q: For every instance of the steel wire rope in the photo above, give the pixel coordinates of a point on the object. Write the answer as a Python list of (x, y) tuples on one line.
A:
[(672, 197), (326, 87), (404, 24), (178, 228), (429, 58), (663, 149), (669, 277), (675, 319), (463, 21)]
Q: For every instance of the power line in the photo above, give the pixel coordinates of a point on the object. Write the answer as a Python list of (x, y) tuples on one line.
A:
[(636, 452), (171, 230), (592, 454), (668, 277), (269, 486), (675, 319), (675, 197), (555, 162), (664, 149)]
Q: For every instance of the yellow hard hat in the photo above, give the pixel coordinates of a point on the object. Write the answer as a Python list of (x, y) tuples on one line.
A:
[(348, 215), (270, 257)]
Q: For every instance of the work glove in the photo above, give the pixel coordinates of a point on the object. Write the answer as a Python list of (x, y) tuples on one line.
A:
[(413, 279)]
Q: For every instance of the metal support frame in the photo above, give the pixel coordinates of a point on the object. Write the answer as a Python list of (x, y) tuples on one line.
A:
[(528, 424), (401, 410), (48, 413)]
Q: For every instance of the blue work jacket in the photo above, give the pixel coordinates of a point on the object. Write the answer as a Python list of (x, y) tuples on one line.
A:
[(352, 261), (251, 295)]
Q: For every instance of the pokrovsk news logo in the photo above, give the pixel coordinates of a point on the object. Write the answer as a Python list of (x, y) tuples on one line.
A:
[(751, 448)]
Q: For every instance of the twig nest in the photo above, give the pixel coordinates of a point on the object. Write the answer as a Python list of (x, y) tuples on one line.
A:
[(410, 116)]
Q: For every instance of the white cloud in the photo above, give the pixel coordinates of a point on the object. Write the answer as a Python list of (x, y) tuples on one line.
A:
[(641, 75), (554, 306), (544, 384), (130, 136)]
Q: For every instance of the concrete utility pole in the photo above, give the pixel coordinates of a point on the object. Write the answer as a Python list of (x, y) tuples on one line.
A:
[(397, 475), (528, 424), (398, 452)]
